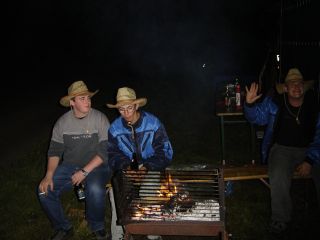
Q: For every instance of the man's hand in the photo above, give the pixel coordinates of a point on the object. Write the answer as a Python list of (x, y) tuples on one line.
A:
[(251, 95), (45, 184), (304, 169), (77, 177), (143, 168)]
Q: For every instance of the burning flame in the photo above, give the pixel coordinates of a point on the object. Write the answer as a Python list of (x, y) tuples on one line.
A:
[(169, 189)]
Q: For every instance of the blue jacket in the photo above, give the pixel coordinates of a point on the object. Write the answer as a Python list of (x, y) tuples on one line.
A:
[(265, 113), (154, 148)]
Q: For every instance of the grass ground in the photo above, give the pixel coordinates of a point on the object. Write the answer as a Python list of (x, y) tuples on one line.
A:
[(247, 208)]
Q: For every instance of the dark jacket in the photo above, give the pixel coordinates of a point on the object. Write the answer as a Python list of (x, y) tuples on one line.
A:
[(152, 145)]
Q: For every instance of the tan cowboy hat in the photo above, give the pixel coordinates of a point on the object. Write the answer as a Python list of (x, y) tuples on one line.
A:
[(78, 88), (294, 75), (125, 96)]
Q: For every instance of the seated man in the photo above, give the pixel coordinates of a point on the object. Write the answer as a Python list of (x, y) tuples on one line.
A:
[(137, 136), (77, 155), (291, 140)]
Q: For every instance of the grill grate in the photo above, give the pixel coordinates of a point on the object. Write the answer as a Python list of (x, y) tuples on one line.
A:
[(183, 197)]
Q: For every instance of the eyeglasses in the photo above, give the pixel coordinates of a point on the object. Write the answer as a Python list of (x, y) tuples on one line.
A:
[(129, 108)]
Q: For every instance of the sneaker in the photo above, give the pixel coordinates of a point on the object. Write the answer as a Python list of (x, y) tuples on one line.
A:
[(102, 235), (62, 234), (154, 237)]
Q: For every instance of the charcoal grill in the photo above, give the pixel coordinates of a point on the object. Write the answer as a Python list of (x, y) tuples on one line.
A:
[(171, 202)]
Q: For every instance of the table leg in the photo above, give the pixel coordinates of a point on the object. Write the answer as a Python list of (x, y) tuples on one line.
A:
[(222, 140), (253, 143)]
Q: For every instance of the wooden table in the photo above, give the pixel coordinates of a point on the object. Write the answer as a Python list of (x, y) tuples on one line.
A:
[(232, 117)]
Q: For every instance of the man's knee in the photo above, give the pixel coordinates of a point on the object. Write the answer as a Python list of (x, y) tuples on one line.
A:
[(96, 190)]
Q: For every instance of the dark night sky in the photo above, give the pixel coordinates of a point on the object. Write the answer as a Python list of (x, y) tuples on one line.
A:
[(138, 41), (172, 52), (147, 44), (111, 43)]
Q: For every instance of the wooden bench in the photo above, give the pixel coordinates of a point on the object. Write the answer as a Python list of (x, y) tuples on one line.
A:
[(251, 171)]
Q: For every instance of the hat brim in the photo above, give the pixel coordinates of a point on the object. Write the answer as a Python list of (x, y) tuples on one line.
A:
[(65, 101), (140, 101), (280, 87)]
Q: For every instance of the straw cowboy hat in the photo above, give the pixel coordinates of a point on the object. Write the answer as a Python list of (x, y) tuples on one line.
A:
[(126, 96), (78, 88), (294, 75)]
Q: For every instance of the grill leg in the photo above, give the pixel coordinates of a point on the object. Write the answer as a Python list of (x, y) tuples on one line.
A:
[(116, 230), (225, 236), (128, 236)]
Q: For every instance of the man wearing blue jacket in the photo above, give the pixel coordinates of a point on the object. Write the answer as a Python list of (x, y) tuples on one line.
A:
[(291, 140), (137, 135), (150, 144)]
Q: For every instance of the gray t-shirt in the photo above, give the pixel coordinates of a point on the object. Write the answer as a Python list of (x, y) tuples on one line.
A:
[(77, 141)]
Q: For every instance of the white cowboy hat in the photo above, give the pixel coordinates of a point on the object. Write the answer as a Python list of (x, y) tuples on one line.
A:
[(294, 75), (126, 96), (78, 88)]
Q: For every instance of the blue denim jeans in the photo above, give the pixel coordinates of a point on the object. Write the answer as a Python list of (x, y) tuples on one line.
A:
[(95, 192)]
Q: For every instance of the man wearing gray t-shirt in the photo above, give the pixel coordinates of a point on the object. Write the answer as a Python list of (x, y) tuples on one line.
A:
[(77, 156)]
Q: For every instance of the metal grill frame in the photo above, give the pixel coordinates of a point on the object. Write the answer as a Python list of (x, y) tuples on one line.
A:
[(179, 227)]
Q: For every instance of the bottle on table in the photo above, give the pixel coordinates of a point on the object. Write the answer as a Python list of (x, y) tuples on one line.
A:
[(238, 94), (227, 98)]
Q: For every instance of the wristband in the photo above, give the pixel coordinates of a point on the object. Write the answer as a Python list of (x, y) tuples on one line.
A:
[(84, 172)]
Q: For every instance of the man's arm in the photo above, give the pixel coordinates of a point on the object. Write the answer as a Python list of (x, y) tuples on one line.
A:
[(47, 181), (55, 152), (162, 151), (117, 159), (313, 152), (256, 113), (101, 156), (81, 174)]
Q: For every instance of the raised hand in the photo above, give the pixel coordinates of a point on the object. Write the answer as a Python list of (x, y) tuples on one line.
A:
[(251, 95)]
